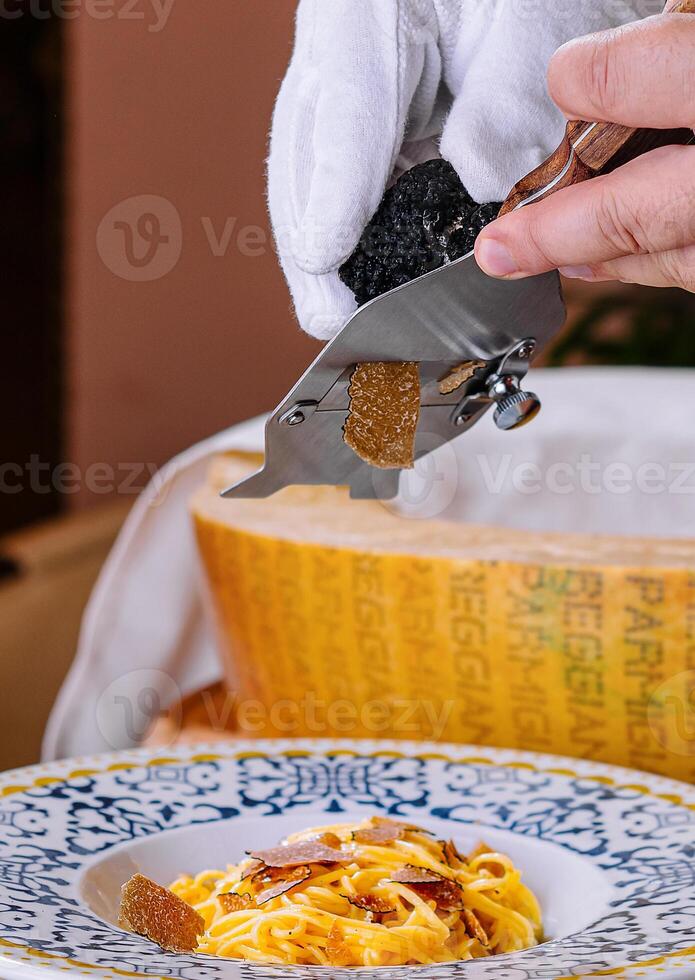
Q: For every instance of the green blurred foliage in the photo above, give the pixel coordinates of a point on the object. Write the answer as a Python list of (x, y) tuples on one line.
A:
[(632, 326)]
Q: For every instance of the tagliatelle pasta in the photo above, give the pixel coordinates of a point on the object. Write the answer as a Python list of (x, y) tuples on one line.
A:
[(378, 893)]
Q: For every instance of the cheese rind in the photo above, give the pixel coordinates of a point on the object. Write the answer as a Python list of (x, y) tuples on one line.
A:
[(338, 617)]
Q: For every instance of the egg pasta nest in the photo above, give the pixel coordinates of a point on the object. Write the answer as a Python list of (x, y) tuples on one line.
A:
[(377, 893)]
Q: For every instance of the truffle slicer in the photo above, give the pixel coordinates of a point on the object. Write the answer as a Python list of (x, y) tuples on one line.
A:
[(450, 316), (440, 320)]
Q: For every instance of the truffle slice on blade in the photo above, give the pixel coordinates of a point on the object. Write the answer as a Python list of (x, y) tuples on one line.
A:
[(459, 376), (384, 411)]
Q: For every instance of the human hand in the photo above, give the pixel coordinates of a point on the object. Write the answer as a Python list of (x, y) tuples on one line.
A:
[(371, 88), (636, 224)]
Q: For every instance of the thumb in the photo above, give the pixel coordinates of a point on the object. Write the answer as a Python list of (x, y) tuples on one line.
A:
[(642, 207), (640, 75)]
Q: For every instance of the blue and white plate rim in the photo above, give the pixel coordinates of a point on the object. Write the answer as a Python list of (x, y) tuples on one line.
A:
[(39, 787)]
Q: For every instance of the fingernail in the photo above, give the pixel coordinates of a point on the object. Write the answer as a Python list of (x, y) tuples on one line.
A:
[(577, 272), (496, 259)]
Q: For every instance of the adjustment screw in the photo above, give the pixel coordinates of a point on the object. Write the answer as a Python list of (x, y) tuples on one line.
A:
[(526, 350), (293, 416), (517, 410)]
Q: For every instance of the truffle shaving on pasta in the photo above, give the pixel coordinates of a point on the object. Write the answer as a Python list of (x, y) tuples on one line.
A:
[(378, 893)]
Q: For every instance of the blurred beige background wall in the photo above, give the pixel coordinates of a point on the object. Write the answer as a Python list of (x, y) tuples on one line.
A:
[(168, 108)]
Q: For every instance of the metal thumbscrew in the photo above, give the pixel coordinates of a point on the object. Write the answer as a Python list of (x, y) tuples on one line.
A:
[(516, 410)]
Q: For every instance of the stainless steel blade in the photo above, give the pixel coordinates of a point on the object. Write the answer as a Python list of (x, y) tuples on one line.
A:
[(453, 314)]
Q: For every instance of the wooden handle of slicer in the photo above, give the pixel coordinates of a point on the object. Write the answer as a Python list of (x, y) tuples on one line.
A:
[(590, 149)]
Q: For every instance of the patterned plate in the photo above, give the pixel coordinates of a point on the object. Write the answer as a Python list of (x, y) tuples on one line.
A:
[(611, 853)]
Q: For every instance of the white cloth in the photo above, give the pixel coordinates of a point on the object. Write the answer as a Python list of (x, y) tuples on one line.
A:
[(612, 452), (371, 88)]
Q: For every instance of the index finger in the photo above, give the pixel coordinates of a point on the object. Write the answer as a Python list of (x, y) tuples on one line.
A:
[(640, 75)]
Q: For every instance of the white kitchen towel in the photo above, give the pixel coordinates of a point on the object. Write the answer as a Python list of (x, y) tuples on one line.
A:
[(613, 451)]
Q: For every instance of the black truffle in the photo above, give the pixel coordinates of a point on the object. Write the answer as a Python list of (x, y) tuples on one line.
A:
[(424, 221)]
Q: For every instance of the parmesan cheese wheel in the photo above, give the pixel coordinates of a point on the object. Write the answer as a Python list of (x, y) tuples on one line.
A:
[(339, 618)]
